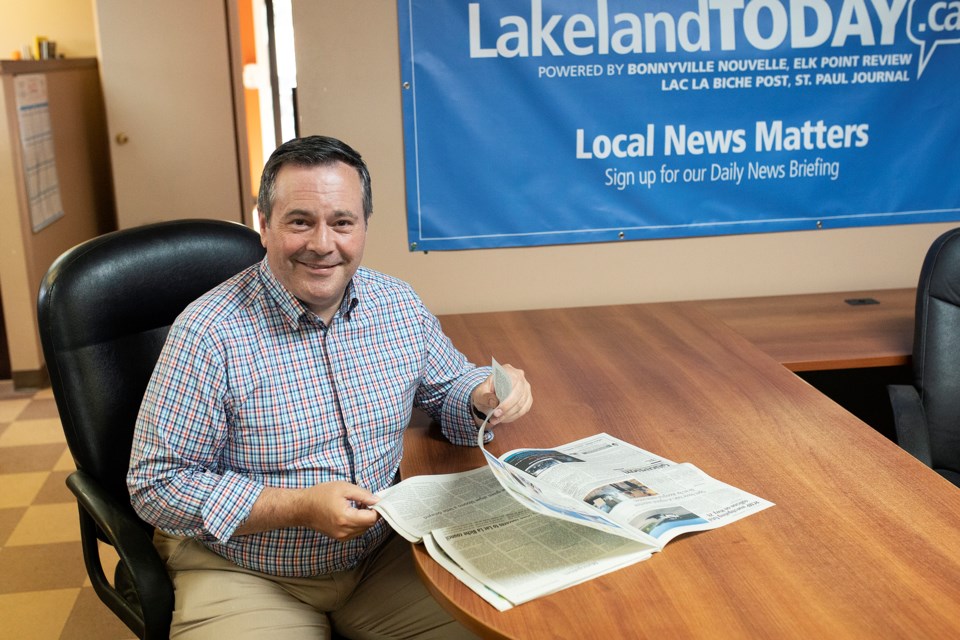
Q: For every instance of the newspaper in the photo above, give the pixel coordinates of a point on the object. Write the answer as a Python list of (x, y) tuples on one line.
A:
[(535, 521)]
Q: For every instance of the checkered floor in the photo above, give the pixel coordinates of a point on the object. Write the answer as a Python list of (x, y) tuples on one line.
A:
[(44, 591)]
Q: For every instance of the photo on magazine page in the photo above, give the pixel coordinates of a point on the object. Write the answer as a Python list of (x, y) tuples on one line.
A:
[(607, 496), (659, 522)]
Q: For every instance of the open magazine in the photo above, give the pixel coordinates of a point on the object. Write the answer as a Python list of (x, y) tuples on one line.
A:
[(535, 521)]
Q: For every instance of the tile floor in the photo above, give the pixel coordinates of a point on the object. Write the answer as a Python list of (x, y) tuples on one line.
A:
[(44, 591)]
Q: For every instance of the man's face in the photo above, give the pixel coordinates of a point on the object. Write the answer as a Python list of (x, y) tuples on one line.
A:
[(316, 233)]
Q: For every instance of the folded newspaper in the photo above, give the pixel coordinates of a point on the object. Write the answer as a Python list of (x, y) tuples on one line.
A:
[(535, 521)]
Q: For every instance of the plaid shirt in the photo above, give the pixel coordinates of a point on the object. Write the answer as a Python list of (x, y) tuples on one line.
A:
[(252, 389)]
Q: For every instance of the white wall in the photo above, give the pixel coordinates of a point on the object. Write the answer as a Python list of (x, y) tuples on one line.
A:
[(349, 87)]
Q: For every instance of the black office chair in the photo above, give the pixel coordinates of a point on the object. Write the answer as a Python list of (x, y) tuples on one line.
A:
[(104, 309), (927, 413)]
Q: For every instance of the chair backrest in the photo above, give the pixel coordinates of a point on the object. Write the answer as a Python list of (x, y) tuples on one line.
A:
[(104, 310), (936, 348)]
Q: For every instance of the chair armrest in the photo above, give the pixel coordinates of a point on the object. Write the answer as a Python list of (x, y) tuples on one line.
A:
[(910, 422), (149, 616)]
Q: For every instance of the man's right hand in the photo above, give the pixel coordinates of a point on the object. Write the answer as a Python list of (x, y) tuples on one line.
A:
[(339, 509), (336, 509)]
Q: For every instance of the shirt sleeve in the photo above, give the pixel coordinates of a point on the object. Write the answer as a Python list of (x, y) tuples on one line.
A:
[(448, 379), (175, 479)]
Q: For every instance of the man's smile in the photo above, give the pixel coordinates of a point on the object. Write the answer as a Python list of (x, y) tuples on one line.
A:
[(317, 266)]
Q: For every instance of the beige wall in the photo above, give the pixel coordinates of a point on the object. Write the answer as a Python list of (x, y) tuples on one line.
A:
[(68, 22), (349, 87)]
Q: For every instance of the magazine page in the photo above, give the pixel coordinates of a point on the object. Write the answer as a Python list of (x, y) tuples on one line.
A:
[(545, 499), (420, 504), (522, 556), (637, 489), (574, 468)]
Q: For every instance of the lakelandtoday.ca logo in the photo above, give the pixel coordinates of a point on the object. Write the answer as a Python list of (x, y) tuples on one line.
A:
[(932, 23), (764, 25)]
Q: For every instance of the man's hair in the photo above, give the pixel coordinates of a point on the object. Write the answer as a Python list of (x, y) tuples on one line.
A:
[(311, 151)]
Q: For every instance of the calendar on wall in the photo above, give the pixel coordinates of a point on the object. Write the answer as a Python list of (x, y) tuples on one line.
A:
[(42, 184)]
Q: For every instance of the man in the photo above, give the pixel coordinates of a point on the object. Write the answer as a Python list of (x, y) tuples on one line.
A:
[(277, 410)]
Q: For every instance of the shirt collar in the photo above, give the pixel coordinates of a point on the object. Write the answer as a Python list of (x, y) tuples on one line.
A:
[(292, 309), (351, 299)]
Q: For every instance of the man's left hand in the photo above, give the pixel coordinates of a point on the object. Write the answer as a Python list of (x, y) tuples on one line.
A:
[(484, 397)]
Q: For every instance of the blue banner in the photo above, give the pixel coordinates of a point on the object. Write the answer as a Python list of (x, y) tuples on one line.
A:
[(535, 122)]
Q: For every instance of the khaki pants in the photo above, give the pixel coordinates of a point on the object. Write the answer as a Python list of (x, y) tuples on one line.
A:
[(381, 598)]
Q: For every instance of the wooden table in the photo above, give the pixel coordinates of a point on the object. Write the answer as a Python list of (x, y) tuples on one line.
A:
[(823, 331), (864, 541)]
